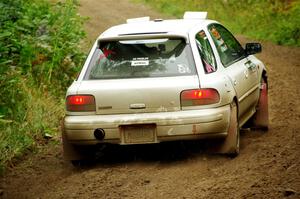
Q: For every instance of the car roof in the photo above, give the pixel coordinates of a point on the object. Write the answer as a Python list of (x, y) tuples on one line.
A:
[(180, 27)]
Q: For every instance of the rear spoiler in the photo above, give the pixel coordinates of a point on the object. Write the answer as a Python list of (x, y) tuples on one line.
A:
[(194, 15)]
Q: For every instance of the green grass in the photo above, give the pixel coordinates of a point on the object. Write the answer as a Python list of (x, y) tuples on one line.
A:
[(40, 57), (277, 21)]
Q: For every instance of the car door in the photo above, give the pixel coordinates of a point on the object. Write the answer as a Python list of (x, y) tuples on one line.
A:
[(242, 72)]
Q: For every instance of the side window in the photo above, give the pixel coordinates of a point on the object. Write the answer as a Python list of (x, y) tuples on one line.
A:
[(228, 47), (206, 52)]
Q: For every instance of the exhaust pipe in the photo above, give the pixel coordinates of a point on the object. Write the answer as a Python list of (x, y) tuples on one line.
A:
[(99, 134)]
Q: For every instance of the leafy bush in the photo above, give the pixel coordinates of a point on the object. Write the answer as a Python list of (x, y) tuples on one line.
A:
[(274, 20), (39, 57)]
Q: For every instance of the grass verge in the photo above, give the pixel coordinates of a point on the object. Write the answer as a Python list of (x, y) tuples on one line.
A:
[(40, 56)]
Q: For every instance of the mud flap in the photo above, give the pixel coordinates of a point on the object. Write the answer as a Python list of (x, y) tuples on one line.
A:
[(261, 118), (230, 145), (70, 152)]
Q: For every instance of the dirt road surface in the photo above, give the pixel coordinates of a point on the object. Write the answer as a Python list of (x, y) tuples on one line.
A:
[(267, 167)]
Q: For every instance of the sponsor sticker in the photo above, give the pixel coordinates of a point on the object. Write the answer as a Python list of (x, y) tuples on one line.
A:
[(182, 68), (141, 61)]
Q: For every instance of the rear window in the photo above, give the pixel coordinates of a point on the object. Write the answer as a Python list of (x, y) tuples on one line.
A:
[(141, 58)]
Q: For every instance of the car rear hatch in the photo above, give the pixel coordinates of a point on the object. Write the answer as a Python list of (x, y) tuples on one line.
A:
[(133, 76)]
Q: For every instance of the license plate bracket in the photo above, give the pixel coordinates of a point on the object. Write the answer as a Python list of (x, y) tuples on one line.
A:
[(138, 134)]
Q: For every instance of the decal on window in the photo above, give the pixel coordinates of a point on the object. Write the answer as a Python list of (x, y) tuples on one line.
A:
[(141, 61), (106, 53), (182, 68)]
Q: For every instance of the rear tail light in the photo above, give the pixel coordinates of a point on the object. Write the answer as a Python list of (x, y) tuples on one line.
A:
[(199, 97), (81, 103)]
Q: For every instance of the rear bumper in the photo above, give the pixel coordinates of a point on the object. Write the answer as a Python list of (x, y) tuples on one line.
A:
[(180, 125)]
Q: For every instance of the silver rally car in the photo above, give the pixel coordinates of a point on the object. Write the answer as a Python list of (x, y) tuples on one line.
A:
[(163, 80)]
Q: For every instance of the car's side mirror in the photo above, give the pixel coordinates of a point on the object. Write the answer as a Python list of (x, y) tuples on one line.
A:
[(252, 48)]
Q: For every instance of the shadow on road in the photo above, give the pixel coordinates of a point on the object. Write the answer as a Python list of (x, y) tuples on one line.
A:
[(165, 153)]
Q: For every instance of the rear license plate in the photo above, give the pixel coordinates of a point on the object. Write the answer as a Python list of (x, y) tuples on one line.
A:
[(138, 134)]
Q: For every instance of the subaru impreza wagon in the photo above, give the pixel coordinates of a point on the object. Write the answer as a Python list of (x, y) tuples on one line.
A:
[(150, 81)]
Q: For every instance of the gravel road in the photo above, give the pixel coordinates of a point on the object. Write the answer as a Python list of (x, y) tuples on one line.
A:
[(267, 167)]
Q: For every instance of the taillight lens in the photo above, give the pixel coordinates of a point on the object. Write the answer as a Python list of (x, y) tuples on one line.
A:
[(81, 103), (197, 97)]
